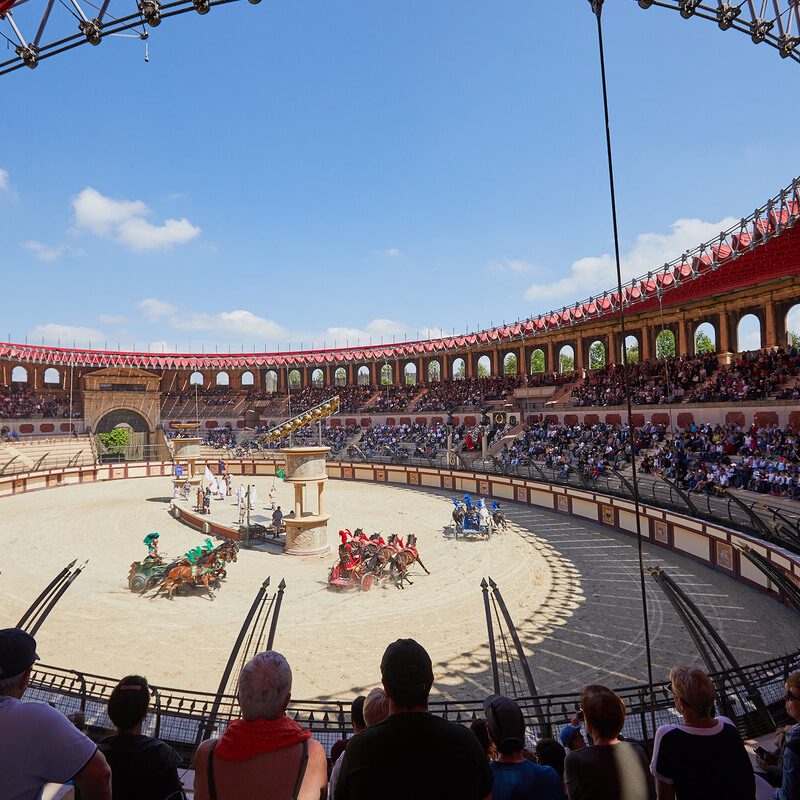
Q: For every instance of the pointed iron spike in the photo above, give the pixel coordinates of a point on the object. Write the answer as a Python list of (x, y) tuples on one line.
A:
[(282, 585), (71, 563), (484, 585), (266, 583), (492, 583)]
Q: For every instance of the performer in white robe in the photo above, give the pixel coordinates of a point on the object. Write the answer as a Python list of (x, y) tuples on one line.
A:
[(253, 497)]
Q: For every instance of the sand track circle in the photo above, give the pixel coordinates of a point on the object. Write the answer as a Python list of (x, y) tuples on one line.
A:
[(570, 586)]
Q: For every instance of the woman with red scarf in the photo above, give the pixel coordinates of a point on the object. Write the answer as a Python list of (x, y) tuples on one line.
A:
[(265, 753)]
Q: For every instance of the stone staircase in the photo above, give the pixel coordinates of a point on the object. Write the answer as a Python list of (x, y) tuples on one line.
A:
[(46, 452)]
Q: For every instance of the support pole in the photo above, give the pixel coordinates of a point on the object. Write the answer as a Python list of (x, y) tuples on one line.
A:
[(490, 634)]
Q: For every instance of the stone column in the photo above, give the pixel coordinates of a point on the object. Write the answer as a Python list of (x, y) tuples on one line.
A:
[(724, 343), (579, 354), (771, 338), (468, 359), (495, 369), (646, 342), (422, 377), (549, 357)]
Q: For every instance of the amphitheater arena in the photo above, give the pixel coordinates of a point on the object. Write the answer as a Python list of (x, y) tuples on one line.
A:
[(567, 565)]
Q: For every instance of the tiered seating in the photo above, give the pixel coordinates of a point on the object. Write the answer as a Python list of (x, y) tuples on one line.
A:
[(46, 452)]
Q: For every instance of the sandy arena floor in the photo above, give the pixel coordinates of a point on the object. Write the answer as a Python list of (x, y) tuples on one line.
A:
[(571, 587)]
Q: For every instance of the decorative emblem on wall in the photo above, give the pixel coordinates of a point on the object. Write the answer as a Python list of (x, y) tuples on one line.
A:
[(522, 494), (447, 481), (483, 487), (725, 555), (347, 472), (660, 531), (608, 515), (413, 478), (563, 503), (380, 475)]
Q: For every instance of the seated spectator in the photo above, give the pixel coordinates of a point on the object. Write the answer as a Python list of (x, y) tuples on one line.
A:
[(790, 780), (412, 754), (40, 745), (571, 736), (357, 720), (142, 768), (265, 753), (481, 731), (610, 769), (551, 754), (705, 756), (376, 707), (515, 776)]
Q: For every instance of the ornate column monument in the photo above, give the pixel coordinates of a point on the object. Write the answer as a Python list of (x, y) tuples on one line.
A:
[(307, 529)]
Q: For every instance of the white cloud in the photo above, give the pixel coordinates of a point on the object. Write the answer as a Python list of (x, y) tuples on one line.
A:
[(392, 252), (46, 252), (124, 221), (154, 308), (112, 319), (5, 183), (650, 251), (53, 332), (512, 265), (238, 325)]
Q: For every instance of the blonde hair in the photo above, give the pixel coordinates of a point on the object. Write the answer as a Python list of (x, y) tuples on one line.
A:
[(793, 683), (694, 689), (376, 707)]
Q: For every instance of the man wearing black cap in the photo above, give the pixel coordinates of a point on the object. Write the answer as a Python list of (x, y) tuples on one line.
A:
[(40, 745), (412, 753)]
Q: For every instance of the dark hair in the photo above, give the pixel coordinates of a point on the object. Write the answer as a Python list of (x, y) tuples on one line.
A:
[(129, 702), (604, 711), (550, 753), (407, 673), (481, 731), (357, 712)]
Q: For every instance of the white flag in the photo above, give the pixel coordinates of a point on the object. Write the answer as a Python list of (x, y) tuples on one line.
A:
[(208, 475)]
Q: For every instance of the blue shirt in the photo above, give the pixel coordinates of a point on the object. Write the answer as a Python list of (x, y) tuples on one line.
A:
[(525, 781)]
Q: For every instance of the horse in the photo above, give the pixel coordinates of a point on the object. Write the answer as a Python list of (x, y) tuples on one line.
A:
[(207, 571), (499, 519), (400, 563)]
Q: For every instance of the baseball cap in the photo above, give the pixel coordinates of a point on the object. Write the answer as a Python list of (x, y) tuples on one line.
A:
[(406, 663), (505, 722), (568, 734), (17, 652)]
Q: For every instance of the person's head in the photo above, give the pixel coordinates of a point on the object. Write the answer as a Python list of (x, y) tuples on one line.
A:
[(376, 707), (357, 714), (550, 753), (792, 695), (505, 723), (407, 674), (603, 712), (481, 731), (17, 655), (265, 686), (694, 692), (129, 701), (571, 737)]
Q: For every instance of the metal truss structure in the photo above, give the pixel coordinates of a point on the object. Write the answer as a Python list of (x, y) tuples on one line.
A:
[(37, 30), (772, 22)]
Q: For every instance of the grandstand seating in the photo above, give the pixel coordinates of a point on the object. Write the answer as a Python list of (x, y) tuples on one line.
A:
[(46, 452)]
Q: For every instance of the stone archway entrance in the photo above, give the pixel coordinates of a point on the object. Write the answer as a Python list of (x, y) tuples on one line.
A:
[(137, 428)]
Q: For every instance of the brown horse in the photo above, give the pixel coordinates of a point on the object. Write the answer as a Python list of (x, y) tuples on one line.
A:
[(206, 572), (400, 563)]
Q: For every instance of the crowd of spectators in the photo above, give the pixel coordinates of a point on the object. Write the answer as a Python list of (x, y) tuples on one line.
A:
[(427, 440), (467, 393), (21, 403), (398, 748), (222, 438), (394, 398), (351, 398)]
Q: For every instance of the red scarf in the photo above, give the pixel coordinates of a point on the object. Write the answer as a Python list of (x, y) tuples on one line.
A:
[(245, 739)]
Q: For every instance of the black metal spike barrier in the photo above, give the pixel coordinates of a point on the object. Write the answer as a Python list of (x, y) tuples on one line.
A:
[(57, 594), (490, 635), (41, 599), (786, 586), (274, 625)]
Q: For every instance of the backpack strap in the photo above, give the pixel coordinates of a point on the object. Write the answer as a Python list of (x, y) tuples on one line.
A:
[(212, 789), (300, 772)]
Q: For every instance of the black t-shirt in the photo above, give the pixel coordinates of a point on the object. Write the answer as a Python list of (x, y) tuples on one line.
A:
[(704, 763), (609, 772), (142, 768), (417, 755)]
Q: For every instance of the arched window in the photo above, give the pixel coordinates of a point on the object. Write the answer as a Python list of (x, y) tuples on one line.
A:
[(317, 377), (665, 344), (248, 379), (748, 333), (271, 381), (223, 379), (566, 359), (705, 338), (340, 377), (386, 375), (597, 355), (537, 361), (631, 350), (294, 378), (196, 379), (459, 369), (410, 374), (510, 364), (362, 378), (484, 367), (793, 326), (434, 371), (19, 375), (51, 376)]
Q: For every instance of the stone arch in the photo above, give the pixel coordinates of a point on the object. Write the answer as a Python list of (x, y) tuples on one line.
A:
[(598, 357), (248, 379), (665, 344), (434, 370), (748, 333), (362, 376), (566, 359), (633, 352), (196, 379), (538, 361), (317, 377), (295, 379), (458, 369), (792, 325), (340, 377), (222, 379), (51, 376), (271, 381), (122, 416), (484, 366), (704, 333), (510, 363), (387, 375), (19, 375), (410, 374)]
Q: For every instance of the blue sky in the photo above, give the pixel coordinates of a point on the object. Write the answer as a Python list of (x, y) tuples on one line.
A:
[(316, 171)]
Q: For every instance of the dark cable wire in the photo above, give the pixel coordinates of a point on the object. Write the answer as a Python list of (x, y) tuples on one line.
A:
[(597, 9)]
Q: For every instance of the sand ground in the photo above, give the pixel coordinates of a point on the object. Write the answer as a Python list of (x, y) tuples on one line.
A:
[(571, 587)]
